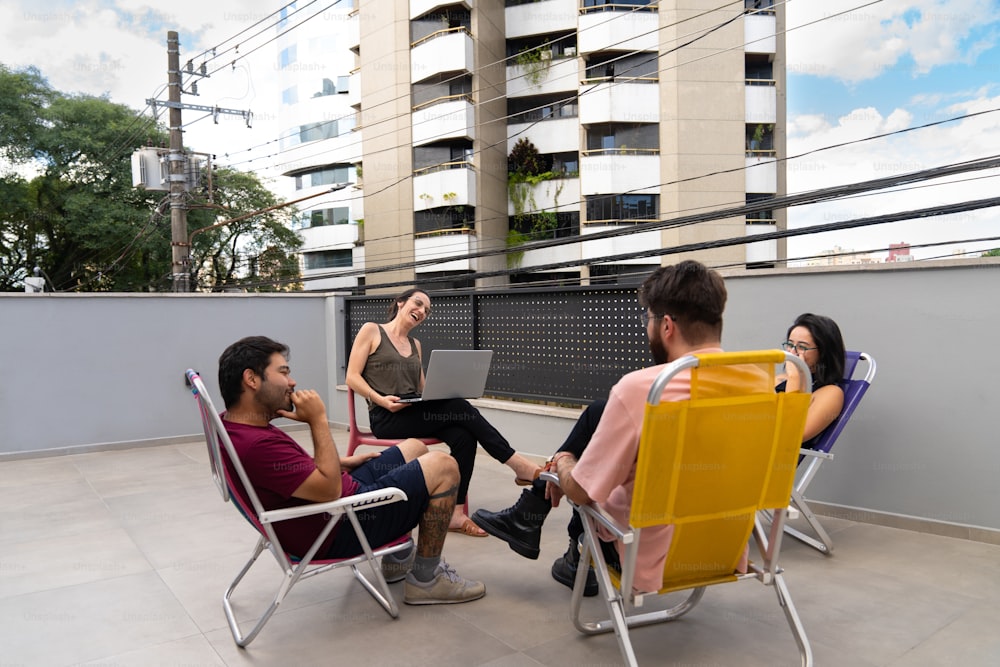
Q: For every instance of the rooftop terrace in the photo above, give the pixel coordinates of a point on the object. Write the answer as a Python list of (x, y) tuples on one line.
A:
[(121, 558)]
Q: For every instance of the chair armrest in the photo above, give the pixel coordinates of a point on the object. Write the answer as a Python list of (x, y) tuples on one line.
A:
[(384, 496), (625, 535), (816, 453)]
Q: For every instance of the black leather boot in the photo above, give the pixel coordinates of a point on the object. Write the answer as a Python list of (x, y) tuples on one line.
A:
[(564, 570), (520, 525)]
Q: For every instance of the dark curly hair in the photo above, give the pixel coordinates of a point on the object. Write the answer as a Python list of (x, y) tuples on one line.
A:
[(253, 352)]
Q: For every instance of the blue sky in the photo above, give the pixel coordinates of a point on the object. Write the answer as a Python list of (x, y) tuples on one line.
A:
[(881, 66)]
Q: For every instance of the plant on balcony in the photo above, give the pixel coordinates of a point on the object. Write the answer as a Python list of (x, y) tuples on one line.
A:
[(535, 64), (527, 168), (761, 131)]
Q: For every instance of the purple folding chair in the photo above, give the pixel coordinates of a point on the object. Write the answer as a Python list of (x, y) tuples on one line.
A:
[(854, 391)]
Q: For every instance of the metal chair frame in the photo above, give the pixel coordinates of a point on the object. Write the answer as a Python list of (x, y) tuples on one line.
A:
[(357, 437), (293, 568), (854, 391), (616, 590)]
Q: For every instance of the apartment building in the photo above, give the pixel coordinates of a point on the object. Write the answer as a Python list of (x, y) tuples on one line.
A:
[(464, 129)]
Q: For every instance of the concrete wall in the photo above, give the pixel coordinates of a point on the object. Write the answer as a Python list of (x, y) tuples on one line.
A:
[(923, 442), (85, 370)]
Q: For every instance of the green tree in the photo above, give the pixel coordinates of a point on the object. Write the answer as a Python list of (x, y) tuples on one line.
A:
[(69, 207), (258, 253), (992, 253)]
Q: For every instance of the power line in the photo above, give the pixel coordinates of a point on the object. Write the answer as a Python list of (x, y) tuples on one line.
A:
[(813, 196)]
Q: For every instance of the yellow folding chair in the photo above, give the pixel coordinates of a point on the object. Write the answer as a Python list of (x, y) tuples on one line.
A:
[(705, 466)]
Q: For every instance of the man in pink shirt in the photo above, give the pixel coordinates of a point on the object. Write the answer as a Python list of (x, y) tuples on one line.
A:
[(683, 315)]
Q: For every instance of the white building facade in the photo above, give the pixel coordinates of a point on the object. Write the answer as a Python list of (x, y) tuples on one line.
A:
[(636, 112)]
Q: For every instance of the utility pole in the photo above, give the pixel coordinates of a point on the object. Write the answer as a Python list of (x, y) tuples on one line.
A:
[(180, 249), (180, 245)]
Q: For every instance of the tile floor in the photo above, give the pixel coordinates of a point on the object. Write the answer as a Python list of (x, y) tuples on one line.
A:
[(121, 557)]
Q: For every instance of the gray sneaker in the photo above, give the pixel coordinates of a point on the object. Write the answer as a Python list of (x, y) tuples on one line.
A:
[(395, 570), (445, 588)]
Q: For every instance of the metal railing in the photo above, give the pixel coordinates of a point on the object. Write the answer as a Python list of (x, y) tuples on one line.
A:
[(568, 345)]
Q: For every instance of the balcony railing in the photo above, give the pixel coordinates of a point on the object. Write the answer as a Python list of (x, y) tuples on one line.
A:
[(439, 33), (639, 6), (444, 98), (622, 150), (458, 164)]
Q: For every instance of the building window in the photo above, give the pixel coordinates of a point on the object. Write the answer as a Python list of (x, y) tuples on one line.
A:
[(444, 219), (328, 259), (326, 176), (323, 217), (621, 66), (540, 107), (287, 57), (622, 207), (759, 217), (343, 84), (622, 137), (290, 95)]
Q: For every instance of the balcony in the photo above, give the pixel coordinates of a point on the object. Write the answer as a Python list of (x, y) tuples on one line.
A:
[(451, 184), (539, 18), (622, 30), (620, 244), (761, 101), (620, 170), (761, 252), (419, 8), (759, 33), (354, 89), (443, 245), (448, 50), (451, 117), (620, 101), (124, 556), (761, 171), (549, 76), (556, 135), (559, 195)]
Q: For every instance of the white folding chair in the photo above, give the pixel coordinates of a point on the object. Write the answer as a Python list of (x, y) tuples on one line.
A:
[(224, 462)]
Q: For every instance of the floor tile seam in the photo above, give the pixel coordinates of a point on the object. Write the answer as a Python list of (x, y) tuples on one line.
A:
[(110, 659), (928, 583), (927, 639), (78, 584)]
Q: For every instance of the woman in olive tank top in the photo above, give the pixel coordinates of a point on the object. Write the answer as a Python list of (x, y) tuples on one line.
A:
[(386, 363)]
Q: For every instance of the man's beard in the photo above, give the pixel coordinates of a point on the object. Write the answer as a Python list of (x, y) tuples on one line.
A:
[(658, 349)]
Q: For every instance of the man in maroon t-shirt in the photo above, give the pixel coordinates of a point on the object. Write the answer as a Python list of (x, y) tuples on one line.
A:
[(257, 386)]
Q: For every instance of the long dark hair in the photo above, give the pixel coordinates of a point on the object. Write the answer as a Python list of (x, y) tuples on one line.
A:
[(830, 344), (394, 306)]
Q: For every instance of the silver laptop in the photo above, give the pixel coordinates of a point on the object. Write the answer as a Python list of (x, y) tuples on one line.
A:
[(454, 374)]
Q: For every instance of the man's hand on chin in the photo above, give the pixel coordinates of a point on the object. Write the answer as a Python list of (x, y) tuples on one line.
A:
[(308, 406)]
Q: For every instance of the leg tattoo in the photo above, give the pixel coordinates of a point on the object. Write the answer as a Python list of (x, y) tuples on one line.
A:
[(434, 522)]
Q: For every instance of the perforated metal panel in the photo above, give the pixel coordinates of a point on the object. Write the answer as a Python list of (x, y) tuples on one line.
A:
[(570, 345)]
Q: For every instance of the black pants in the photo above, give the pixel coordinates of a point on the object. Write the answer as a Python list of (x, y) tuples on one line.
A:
[(452, 421), (576, 442)]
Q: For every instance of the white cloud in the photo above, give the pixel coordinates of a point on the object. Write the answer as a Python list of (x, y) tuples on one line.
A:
[(972, 138), (864, 43), (119, 49)]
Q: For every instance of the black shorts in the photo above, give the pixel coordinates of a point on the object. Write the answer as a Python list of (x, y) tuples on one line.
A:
[(385, 523)]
